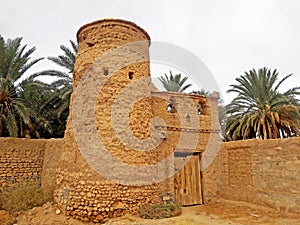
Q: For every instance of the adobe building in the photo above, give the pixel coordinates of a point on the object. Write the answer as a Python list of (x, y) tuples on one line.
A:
[(127, 144)]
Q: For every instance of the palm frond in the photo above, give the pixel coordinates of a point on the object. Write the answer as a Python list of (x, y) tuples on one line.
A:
[(174, 83), (259, 110)]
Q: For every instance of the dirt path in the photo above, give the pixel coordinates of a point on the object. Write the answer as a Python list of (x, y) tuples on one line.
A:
[(214, 213)]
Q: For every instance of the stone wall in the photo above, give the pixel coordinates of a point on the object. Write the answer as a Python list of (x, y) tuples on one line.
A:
[(53, 149), (20, 160), (115, 55), (264, 172), (29, 160), (256, 171), (83, 192), (261, 172)]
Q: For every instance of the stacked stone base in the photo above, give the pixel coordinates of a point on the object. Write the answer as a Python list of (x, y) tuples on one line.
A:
[(82, 197)]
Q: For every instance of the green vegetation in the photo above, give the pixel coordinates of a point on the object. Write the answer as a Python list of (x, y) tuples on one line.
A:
[(200, 92), (174, 83), (260, 110), (159, 211), (28, 106), (64, 83), (31, 108), (57, 104), (18, 114)]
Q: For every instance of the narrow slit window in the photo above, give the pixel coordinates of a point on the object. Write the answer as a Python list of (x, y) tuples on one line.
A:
[(188, 118), (105, 71), (199, 108)]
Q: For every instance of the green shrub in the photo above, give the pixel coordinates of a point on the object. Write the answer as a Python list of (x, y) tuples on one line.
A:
[(159, 211), (22, 196)]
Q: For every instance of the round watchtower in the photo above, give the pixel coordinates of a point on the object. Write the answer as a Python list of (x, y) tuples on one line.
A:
[(111, 95)]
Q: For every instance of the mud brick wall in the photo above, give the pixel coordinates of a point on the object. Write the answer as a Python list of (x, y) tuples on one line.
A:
[(20, 160), (82, 192), (29, 160), (184, 119), (264, 172), (53, 149)]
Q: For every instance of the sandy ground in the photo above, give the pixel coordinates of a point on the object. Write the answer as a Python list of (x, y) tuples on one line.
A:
[(221, 212)]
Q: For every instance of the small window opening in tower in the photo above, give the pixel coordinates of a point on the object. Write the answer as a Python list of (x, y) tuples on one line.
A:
[(90, 44), (188, 118), (130, 75), (170, 107), (199, 108), (105, 71)]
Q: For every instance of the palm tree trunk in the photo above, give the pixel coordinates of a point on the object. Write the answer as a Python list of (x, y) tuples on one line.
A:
[(265, 131), (21, 128), (0, 126)]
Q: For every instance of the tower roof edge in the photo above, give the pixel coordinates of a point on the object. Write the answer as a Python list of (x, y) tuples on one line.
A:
[(112, 20)]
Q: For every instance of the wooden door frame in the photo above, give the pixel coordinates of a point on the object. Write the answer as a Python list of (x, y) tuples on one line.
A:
[(186, 176)]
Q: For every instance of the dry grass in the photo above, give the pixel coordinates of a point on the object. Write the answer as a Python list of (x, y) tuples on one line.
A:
[(159, 211), (23, 196)]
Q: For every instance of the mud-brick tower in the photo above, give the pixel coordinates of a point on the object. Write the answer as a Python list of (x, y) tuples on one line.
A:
[(115, 55)]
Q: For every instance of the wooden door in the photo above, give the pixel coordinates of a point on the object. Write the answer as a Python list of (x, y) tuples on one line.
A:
[(187, 180)]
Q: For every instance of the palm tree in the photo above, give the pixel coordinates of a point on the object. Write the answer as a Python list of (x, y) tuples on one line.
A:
[(174, 83), (63, 86), (68, 59), (260, 110), (57, 105), (17, 114), (38, 95)]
